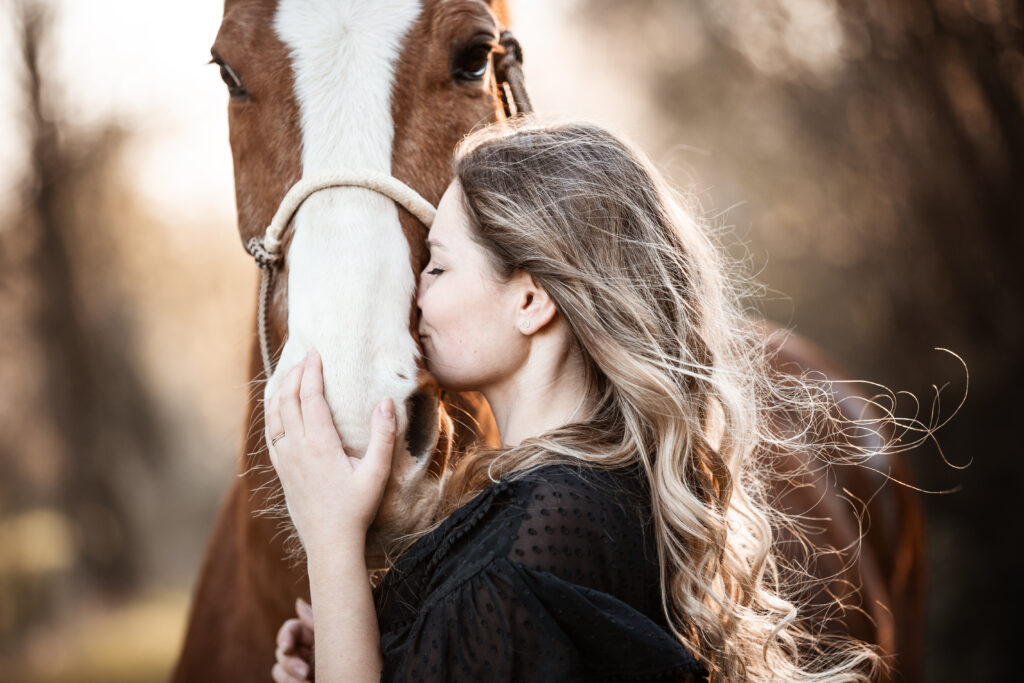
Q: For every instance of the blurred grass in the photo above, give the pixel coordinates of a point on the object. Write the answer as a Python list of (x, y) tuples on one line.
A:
[(136, 642)]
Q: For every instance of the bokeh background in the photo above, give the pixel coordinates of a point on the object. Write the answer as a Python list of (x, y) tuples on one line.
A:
[(867, 159)]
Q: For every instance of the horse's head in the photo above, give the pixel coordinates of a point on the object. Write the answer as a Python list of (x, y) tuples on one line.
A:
[(349, 85)]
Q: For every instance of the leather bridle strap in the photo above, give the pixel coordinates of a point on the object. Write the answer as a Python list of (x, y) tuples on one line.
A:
[(508, 73)]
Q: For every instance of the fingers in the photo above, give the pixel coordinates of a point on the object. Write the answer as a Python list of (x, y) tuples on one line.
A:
[(382, 440), (280, 673), (290, 666), (272, 419), (288, 400), (316, 414), (294, 666), (289, 636), (305, 612)]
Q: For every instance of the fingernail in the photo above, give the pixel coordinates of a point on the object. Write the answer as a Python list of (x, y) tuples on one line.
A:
[(302, 669), (387, 408)]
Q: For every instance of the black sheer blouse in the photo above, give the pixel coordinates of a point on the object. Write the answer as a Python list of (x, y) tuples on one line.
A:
[(553, 577)]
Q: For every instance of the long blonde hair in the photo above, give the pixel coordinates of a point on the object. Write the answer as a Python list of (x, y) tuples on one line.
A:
[(677, 381)]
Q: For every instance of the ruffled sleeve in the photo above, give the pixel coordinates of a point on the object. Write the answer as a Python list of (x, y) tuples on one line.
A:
[(508, 622)]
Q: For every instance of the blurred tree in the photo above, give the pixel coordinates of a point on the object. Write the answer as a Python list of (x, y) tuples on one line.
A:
[(78, 398), (877, 150)]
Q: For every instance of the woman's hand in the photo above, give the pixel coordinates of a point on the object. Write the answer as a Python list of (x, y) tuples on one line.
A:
[(294, 653), (332, 498)]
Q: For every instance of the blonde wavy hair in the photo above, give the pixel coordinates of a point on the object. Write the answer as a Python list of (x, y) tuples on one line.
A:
[(677, 381)]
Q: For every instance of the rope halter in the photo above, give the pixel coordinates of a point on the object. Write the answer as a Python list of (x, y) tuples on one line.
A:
[(266, 250)]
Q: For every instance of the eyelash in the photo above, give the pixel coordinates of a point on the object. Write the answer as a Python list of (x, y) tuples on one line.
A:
[(435, 271)]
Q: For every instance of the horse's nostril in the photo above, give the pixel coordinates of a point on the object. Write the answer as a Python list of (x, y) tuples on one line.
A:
[(422, 408)]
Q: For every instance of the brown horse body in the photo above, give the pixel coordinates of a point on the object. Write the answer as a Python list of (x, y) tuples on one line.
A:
[(297, 71)]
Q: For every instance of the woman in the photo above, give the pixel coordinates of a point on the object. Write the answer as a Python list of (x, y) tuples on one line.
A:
[(621, 531)]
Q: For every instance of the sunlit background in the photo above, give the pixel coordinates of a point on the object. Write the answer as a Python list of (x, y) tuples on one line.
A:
[(866, 157)]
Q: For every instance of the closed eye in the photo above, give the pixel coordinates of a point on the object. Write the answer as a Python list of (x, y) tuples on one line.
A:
[(435, 271)]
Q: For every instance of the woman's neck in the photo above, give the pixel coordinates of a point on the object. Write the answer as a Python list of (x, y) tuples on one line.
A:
[(546, 392)]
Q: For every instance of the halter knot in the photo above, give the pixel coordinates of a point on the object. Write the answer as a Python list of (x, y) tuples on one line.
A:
[(264, 257)]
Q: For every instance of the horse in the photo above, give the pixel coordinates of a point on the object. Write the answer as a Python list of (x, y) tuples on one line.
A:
[(318, 86), (314, 86)]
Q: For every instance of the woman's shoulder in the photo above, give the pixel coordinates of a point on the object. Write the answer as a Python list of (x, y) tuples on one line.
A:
[(572, 522), (583, 493), (544, 572), (570, 518), (485, 526), (584, 525), (581, 486), (591, 527), (554, 509)]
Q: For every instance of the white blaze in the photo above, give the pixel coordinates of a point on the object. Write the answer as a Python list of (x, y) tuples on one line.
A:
[(350, 284)]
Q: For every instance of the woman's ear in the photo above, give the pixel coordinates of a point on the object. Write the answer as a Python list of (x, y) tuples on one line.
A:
[(534, 309)]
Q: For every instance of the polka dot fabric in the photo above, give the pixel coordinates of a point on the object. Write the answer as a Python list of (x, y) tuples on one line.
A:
[(551, 577)]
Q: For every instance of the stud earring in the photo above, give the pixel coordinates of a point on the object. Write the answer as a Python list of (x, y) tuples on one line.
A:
[(526, 324)]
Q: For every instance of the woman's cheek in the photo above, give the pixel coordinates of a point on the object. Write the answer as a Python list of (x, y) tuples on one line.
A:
[(430, 310)]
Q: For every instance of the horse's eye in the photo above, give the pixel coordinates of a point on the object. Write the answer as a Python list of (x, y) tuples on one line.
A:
[(470, 64), (230, 78)]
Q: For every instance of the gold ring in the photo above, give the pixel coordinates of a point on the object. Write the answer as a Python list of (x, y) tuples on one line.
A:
[(273, 442)]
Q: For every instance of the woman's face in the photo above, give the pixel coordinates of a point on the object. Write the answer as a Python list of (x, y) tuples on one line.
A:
[(467, 317)]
